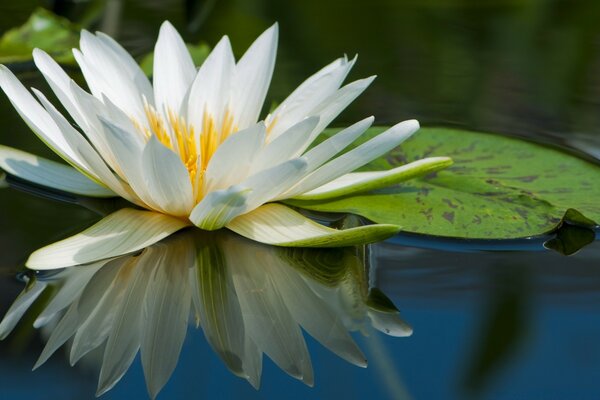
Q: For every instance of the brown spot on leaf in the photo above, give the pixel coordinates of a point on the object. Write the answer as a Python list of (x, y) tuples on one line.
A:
[(449, 203), (449, 216)]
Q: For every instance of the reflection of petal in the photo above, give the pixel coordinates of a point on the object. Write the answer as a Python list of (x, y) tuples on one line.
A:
[(218, 308), (166, 311), (250, 299), (124, 338), (19, 307), (267, 319)]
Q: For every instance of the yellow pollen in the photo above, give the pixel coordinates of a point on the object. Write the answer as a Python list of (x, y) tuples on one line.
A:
[(176, 134)]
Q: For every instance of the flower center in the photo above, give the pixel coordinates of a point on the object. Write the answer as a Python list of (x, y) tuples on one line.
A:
[(194, 149)]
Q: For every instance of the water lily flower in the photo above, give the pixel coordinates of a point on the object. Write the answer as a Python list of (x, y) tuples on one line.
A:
[(190, 147), (249, 299)]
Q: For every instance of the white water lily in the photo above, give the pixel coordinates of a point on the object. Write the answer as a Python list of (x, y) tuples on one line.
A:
[(190, 147), (249, 299)]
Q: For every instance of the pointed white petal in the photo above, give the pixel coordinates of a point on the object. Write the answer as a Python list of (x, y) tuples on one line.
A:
[(166, 312), (110, 71), (48, 173), (356, 158), (60, 83), (62, 143), (337, 102), (231, 162), (219, 207), (121, 232), (290, 144), (210, 90), (129, 64), (167, 179), (93, 165), (281, 226), (338, 142), (127, 153), (312, 92), (19, 307), (321, 153), (360, 182), (270, 183), (174, 69), (252, 78)]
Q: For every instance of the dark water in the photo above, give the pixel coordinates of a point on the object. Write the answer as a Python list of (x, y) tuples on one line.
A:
[(498, 325)]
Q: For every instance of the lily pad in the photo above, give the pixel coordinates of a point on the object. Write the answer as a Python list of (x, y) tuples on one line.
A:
[(44, 30), (498, 187)]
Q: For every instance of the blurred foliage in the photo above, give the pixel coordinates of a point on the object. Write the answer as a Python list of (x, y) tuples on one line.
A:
[(44, 30)]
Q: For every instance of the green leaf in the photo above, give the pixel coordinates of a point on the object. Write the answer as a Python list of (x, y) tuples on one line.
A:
[(498, 187), (44, 30), (199, 52)]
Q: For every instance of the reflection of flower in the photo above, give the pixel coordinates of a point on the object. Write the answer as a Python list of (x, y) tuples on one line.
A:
[(189, 146), (248, 298)]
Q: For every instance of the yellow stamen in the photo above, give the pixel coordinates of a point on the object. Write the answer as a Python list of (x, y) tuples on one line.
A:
[(177, 135)]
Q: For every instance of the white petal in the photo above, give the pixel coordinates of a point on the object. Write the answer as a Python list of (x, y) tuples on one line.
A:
[(337, 102), (129, 64), (290, 144), (166, 312), (270, 183), (48, 173), (92, 163), (167, 179), (356, 158), (308, 95), (19, 307), (326, 150), (232, 160), (210, 90), (281, 226), (219, 207), (252, 78), (110, 71), (360, 182), (127, 153), (174, 69), (121, 232), (60, 83), (37, 118)]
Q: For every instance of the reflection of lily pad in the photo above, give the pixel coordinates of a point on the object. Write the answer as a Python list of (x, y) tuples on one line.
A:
[(44, 30), (199, 52), (499, 187)]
